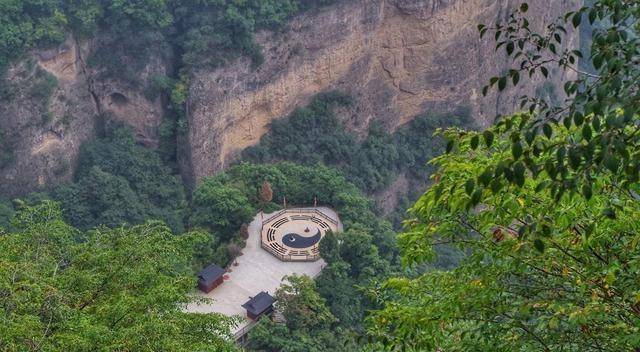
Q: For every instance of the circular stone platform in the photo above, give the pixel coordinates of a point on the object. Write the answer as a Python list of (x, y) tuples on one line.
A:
[(295, 234)]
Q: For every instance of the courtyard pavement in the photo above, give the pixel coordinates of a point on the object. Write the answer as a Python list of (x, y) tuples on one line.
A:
[(257, 270)]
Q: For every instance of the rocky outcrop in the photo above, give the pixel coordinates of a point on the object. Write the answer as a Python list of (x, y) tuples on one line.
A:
[(124, 100), (396, 58), (53, 102), (47, 113)]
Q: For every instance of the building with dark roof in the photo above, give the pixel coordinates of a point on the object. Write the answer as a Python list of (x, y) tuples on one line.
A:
[(210, 278), (259, 305)]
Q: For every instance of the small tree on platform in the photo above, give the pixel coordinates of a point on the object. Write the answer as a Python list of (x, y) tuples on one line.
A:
[(266, 193), (244, 231), (234, 251)]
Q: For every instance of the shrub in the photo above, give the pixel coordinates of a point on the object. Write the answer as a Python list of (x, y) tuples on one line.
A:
[(118, 181)]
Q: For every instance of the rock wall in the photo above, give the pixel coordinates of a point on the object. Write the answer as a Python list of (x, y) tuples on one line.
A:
[(53, 102), (396, 58)]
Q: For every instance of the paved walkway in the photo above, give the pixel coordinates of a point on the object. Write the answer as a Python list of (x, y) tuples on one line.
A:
[(257, 271)]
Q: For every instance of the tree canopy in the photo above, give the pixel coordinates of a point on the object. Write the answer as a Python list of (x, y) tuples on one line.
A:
[(306, 322), (222, 203), (120, 289), (118, 181), (598, 118), (545, 203), (542, 274), (205, 32), (315, 134), (364, 254)]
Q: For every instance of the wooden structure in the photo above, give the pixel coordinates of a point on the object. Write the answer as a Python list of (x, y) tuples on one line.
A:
[(261, 304), (210, 277)]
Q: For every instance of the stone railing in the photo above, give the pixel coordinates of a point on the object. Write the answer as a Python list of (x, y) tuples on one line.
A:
[(300, 211), (290, 258)]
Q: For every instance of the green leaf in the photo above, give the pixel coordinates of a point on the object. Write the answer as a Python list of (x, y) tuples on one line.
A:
[(539, 245), (592, 16), (516, 150), (483, 30), (542, 185), (550, 168), (524, 7), (515, 78), (595, 122), (577, 19), (530, 135), (597, 61), (488, 138), (522, 231), (587, 192), (475, 140), (518, 174), (546, 129), (476, 197), (545, 71), (469, 186), (449, 146), (561, 152), (509, 48), (609, 213), (586, 132), (574, 158), (485, 177), (611, 162), (502, 83), (496, 185)]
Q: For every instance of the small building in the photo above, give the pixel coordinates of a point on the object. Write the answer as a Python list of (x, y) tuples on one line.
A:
[(210, 278), (259, 305)]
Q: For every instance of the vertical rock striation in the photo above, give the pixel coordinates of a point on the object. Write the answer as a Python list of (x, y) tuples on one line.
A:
[(53, 102), (396, 58)]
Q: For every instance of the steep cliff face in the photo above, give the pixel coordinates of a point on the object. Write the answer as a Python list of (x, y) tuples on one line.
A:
[(49, 113), (53, 103), (396, 58)]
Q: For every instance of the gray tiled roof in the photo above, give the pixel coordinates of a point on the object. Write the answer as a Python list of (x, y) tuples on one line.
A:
[(210, 273), (258, 304)]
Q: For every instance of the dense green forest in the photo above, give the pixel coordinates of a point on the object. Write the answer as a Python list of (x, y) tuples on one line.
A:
[(545, 202), (120, 183), (119, 289), (526, 238), (190, 35), (313, 134), (363, 254), (116, 182), (205, 32)]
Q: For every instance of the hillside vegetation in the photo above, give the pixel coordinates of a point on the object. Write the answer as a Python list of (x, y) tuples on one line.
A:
[(526, 237), (545, 202), (314, 134), (203, 28), (119, 289)]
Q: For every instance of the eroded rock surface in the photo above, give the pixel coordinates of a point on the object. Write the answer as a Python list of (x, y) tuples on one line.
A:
[(53, 102), (396, 58)]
